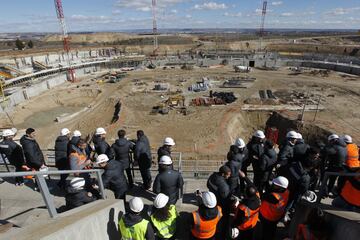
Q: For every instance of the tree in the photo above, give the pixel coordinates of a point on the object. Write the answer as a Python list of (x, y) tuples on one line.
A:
[(19, 44), (30, 44)]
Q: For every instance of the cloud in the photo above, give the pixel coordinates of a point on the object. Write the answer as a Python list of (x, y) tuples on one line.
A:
[(145, 5), (174, 11), (287, 14), (342, 11), (278, 3), (210, 6), (226, 14)]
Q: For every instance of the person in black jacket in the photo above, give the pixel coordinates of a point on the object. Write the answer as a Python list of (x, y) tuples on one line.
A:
[(267, 163), (335, 157), (168, 181), (113, 177), (165, 149), (76, 196), (217, 183), (235, 160), (13, 153), (122, 148), (256, 151), (61, 155), (286, 153), (101, 146), (33, 154), (300, 149), (142, 155)]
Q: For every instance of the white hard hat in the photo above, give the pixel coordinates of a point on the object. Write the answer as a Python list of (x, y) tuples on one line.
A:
[(310, 196), (239, 142), (136, 204), (292, 134), (165, 160), (169, 141), (102, 158), (77, 133), (259, 134), (347, 139), (299, 136), (161, 200), (332, 137), (209, 199), (100, 131), (8, 133), (281, 182), (64, 131), (77, 183)]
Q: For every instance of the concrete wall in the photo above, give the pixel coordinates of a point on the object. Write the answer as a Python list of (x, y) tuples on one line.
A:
[(94, 221)]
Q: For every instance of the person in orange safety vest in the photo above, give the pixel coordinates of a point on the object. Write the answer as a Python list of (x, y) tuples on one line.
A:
[(273, 206), (349, 197), (205, 220), (352, 160)]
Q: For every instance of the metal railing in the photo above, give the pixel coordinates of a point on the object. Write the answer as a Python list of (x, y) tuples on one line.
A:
[(44, 190), (323, 187)]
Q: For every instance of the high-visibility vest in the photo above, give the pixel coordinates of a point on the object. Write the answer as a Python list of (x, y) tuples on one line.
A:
[(352, 160), (274, 212), (303, 233), (135, 232), (81, 157), (204, 229), (167, 228), (351, 194), (251, 217)]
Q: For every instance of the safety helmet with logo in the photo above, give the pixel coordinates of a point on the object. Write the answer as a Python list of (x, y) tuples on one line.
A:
[(347, 139), (169, 141), (310, 196), (8, 133), (259, 134), (136, 204), (102, 158), (165, 160), (100, 131), (333, 137), (209, 199), (64, 131), (239, 142), (77, 183), (161, 200), (77, 133), (281, 182), (292, 135)]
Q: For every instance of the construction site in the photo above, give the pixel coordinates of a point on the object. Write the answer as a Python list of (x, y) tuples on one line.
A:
[(203, 90)]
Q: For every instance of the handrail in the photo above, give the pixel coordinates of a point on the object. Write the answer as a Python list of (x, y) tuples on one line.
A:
[(323, 186), (44, 190)]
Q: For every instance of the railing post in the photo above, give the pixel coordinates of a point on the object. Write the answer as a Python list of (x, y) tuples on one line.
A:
[(44, 190), (101, 185), (322, 187)]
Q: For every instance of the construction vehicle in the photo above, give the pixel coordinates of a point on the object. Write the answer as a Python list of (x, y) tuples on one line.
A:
[(176, 101), (162, 108)]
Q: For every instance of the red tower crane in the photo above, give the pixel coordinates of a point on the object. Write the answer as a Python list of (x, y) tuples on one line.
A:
[(155, 30), (66, 40), (262, 25)]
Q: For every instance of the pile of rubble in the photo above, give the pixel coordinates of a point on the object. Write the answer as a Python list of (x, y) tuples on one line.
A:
[(216, 98)]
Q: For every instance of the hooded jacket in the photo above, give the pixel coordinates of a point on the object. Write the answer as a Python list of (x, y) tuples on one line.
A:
[(286, 154), (163, 151), (336, 154), (219, 186), (61, 152), (33, 154), (143, 152), (169, 182), (114, 179), (255, 151), (299, 178), (76, 198), (121, 149), (102, 147), (268, 159), (130, 219), (13, 152), (300, 150)]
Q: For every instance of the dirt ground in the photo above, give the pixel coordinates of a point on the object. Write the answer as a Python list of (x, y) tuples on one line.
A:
[(206, 132)]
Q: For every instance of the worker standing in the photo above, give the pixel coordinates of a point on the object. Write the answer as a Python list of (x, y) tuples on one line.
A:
[(61, 155), (267, 163), (164, 217), (168, 181), (352, 160), (13, 153), (122, 148), (33, 154), (78, 160), (300, 148), (235, 160), (165, 149), (286, 153), (133, 226), (142, 155), (76, 195), (205, 221), (100, 144), (217, 184), (273, 206), (244, 215), (113, 176), (349, 197), (256, 151)]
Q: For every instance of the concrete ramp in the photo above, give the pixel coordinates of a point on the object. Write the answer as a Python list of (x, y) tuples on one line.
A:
[(94, 221)]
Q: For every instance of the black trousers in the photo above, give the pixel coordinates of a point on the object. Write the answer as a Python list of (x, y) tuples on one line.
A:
[(268, 229), (129, 177), (19, 179), (332, 179), (146, 177)]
